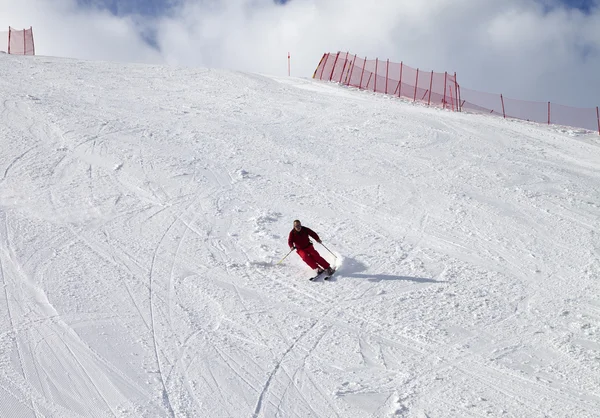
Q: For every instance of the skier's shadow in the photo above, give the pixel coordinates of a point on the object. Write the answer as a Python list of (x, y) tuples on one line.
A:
[(351, 268)]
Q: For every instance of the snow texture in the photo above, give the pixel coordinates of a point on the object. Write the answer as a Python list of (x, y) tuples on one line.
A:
[(143, 210)]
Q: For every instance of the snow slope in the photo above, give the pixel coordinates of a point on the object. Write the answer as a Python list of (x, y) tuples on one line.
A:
[(143, 210)]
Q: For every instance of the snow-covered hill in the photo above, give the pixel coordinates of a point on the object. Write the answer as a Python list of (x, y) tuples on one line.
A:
[(143, 210)]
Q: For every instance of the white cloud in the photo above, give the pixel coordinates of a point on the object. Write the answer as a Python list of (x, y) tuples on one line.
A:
[(520, 48)]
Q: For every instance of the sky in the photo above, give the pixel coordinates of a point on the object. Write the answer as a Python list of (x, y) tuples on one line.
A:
[(541, 50), (144, 216)]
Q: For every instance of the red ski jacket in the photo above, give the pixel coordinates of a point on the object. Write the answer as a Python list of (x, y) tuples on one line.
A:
[(300, 239)]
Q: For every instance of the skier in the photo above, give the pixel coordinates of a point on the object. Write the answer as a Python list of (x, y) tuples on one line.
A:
[(299, 239)]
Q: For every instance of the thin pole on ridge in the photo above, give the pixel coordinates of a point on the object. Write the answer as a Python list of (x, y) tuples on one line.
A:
[(24, 42), (362, 73), (9, 33), (344, 67), (430, 85), (548, 113), (375, 83), (334, 64), (598, 117), (502, 100), (416, 82)]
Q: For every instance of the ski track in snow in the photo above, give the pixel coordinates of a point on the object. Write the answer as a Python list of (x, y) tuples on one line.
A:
[(143, 210)]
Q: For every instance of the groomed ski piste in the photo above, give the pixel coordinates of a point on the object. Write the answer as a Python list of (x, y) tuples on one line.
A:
[(143, 210)]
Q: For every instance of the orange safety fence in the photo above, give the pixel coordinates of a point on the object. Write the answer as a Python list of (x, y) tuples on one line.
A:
[(437, 89), (17, 42), (541, 112), (442, 89)]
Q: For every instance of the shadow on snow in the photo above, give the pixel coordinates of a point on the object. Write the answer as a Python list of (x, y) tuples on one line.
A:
[(352, 268)]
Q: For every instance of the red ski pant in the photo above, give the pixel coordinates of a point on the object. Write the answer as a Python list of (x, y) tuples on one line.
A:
[(312, 257)]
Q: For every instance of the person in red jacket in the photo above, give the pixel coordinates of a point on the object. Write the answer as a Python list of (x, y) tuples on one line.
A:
[(299, 239)]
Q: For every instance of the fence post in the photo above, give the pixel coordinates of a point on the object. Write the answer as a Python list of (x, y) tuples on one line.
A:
[(416, 82), (24, 42), (363, 72), (9, 33), (598, 117), (400, 82), (445, 85), (369, 80), (334, 64), (344, 67), (326, 56), (351, 70), (387, 72), (456, 93), (502, 100), (430, 85), (32, 41), (548, 113), (375, 81)]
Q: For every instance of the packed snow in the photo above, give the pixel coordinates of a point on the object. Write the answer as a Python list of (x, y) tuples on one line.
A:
[(144, 211)]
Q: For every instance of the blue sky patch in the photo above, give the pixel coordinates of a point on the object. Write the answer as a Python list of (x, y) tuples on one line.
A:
[(586, 6), (141, 7)]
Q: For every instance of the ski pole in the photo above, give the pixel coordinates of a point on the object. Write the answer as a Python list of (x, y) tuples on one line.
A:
[(328, 250), (285, 256)]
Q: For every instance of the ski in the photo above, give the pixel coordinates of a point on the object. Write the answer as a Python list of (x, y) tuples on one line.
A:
[(324, 274)]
